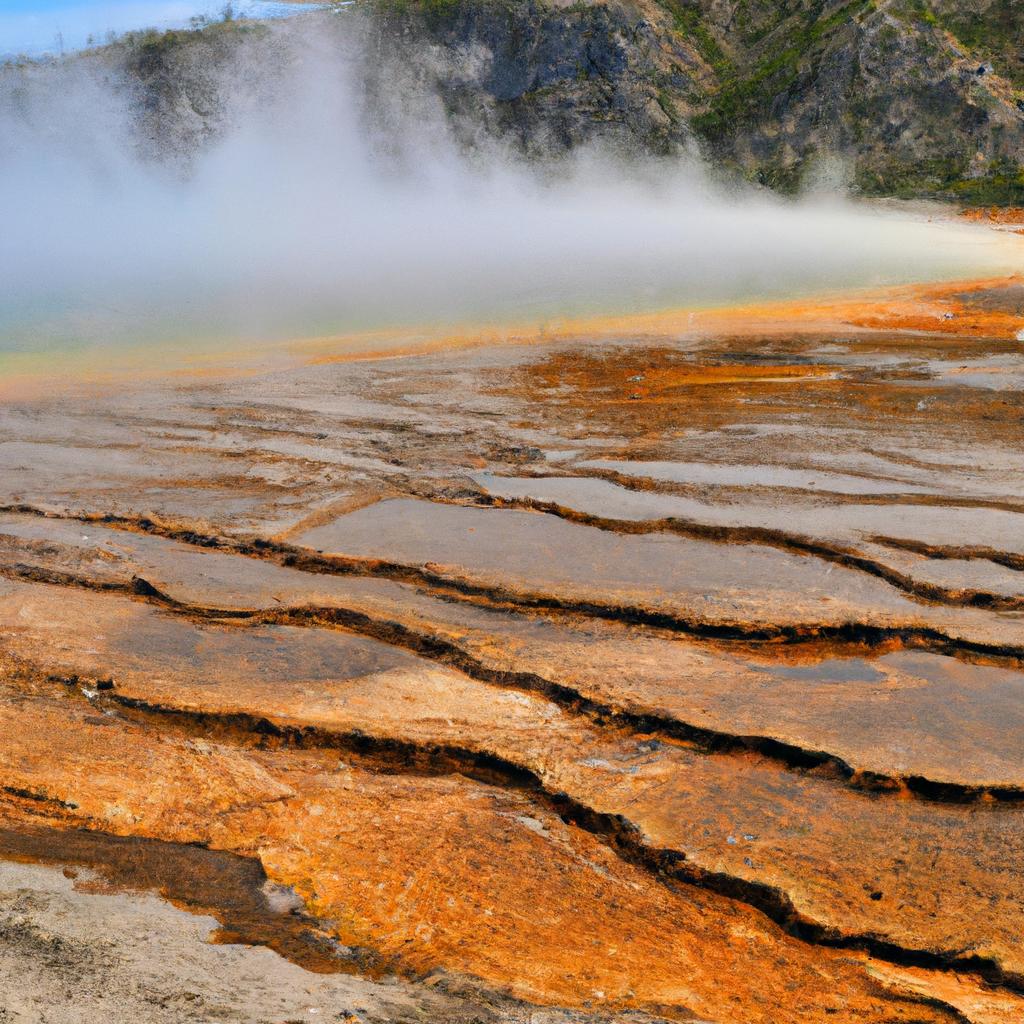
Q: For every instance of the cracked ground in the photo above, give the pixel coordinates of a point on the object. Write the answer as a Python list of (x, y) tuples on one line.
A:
[(671, 676)]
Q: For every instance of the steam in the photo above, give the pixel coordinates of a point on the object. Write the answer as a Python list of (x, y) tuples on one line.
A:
[(315, 210)]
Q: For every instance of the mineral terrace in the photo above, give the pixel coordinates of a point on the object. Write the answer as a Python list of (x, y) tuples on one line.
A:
[(670, 673)]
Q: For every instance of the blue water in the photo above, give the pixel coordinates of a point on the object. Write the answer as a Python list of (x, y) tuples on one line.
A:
[(36, 28)]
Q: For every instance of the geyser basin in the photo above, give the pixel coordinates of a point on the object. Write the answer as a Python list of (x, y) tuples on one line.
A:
[(303, 207)]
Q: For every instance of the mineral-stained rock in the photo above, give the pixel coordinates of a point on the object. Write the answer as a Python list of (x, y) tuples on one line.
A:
[(398, 866), (701, 705), (84, 951), (813, 843)]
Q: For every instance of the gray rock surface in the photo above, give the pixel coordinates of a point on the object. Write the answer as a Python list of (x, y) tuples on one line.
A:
[(914, 98)]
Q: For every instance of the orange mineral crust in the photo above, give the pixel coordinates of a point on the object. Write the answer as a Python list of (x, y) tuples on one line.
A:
[(649, 669), (995, 215), (456, 873)]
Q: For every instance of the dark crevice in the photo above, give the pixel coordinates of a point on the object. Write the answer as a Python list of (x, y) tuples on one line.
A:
[(305, 560), (20, 793), (634, 720), (639, 721), (623, 836), (947, 552), (643, 483)]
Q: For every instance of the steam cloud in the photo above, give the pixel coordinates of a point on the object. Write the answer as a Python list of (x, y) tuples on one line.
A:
[(312, 211)]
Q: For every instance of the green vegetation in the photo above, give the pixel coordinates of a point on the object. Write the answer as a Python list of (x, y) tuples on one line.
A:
[(667, 106), (782, 85), (147, 48), (742, 97), (438, 10), (783, 44), (689, 23), (918, 10), (1003, 185), (995, 33), (434, 12), (779, 178)]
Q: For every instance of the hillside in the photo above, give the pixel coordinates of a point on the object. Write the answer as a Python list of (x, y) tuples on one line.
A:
[(911, 98), (907, 97)]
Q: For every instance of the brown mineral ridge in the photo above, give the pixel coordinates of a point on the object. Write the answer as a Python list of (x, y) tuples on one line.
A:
[(430, 869), (953, 721)]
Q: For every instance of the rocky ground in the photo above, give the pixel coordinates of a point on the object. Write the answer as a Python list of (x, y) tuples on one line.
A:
[(674, 675)]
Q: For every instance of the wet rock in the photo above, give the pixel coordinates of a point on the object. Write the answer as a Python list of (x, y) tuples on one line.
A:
[(729, 678)]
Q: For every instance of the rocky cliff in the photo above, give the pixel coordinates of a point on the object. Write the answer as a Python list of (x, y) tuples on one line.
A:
[(903, 97), (893, 97)]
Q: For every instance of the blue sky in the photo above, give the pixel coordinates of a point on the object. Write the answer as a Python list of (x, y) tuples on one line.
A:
[(36, 27)]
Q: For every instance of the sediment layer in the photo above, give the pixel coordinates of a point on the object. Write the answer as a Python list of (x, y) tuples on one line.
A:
[(679, 681)]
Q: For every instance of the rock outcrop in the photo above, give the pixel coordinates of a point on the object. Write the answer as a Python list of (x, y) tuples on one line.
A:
[(890, 97), (902, 97)]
